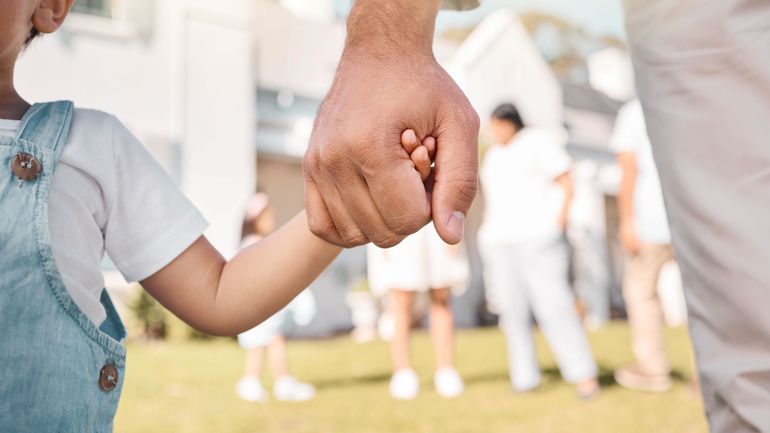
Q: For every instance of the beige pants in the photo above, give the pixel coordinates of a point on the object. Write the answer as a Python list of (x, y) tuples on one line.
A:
[(703, 76), (645, 314)]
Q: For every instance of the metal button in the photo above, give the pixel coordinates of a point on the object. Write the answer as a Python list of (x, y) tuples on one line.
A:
[(25, 166), (108, 377)]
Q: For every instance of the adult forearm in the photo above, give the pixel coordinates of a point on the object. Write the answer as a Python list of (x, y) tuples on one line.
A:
[(626, 190), (382, 27), (568, 188)]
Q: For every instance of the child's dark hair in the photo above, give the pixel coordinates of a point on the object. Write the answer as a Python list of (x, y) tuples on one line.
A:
[(32, 35), (509, 113)]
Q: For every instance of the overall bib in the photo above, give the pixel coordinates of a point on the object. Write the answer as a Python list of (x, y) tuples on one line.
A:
[(58, 371)]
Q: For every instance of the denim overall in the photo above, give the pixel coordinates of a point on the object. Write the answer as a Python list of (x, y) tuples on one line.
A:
[(58, 371)]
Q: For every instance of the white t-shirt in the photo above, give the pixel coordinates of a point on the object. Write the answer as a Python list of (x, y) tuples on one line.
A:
[(523, 201), (109, 195), (630, 135)]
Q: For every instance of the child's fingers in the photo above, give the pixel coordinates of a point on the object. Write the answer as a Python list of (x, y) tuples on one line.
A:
[(421, 161), (409, 141), (430, 144)]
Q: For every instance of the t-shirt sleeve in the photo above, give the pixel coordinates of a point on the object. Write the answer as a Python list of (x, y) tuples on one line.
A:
[(149, 221), (461, 5), (628, 130)]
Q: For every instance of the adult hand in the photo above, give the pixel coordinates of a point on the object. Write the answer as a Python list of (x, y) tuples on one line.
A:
[(360, 184)]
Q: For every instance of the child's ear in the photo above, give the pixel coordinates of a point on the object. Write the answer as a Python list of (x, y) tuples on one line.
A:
[(49, 14)]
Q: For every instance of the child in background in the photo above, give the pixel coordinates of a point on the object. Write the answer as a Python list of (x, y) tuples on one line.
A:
[(268, 339), (421, 263)]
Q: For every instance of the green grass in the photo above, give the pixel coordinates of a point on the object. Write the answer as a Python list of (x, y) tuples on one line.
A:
[(188, 387)]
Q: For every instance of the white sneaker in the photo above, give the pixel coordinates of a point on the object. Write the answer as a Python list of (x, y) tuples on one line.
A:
[(448, 382), (404, 385), (249, 388), (288, 388)]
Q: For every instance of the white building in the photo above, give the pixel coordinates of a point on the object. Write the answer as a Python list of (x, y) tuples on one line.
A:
[(499, 63)]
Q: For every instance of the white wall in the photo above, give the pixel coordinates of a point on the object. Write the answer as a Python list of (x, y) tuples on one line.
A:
[(295, 54), (218, 162)]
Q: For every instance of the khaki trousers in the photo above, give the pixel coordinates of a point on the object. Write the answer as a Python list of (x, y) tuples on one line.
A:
[(703, 76), (645, 314)]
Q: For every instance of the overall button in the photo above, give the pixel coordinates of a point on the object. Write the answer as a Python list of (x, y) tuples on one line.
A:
[(108, 377), (25, 166)]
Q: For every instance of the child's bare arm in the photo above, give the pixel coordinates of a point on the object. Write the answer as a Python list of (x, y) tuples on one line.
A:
[(222, 297)]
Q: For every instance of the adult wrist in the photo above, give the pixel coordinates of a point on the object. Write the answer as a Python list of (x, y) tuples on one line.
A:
[(392, 28)]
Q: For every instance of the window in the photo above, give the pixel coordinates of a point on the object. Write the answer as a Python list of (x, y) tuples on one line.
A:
[(102, 8)]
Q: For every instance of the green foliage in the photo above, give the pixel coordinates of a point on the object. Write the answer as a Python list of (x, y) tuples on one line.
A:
[(151, 315)]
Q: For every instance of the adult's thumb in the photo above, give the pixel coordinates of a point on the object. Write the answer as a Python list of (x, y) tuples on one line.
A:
[(456, 174)]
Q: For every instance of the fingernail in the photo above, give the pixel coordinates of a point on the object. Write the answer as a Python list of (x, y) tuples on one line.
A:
[(410, 136), (456, 224)]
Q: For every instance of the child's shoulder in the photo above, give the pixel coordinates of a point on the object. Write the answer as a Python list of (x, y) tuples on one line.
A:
[(96, 131), (99, 141), (90, 121)]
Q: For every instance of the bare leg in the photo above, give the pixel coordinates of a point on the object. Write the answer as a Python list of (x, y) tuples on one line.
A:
[(254, 362), (279, 362), (400, 307), (442, 327)]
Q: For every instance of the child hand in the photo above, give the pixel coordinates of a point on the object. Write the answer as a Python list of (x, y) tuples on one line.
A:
[(421, 153)]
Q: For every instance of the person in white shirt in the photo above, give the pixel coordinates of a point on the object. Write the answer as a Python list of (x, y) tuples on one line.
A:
[(645, 237), (526, 182)]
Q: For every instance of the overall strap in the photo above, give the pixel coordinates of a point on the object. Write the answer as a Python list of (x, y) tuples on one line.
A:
[(47, 124)]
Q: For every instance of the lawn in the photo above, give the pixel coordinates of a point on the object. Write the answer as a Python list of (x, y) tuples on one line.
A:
[(187, 387)]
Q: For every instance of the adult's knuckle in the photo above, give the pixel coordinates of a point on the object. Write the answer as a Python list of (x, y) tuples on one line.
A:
[(332, 157), (385, 238), (388, 241), (310, 163), (352, 237), (472, 118), (408, 222), (320, 226)]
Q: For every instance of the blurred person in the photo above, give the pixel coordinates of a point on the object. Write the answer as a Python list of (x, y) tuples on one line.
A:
[(646, 240), (708, 146), (704, 95), (587, 239), (268, 339), (527, 186), (421, 263)]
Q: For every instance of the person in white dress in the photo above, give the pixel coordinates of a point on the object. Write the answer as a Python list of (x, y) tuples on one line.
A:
[(268, 339), (421, 263)]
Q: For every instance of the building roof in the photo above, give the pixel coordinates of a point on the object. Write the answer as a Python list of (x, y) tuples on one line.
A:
[(584, 97)]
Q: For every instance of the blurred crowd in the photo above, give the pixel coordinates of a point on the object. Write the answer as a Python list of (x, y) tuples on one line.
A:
[(529, 255)]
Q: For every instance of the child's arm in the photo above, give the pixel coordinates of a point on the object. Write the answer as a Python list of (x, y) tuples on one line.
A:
[(222, 297)]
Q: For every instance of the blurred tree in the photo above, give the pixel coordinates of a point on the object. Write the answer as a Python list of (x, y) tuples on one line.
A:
[(151, 315)]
